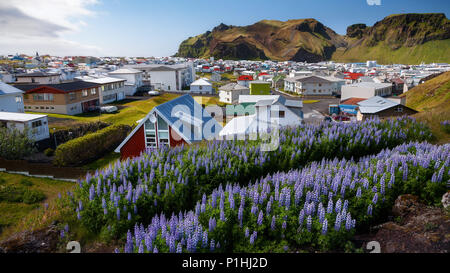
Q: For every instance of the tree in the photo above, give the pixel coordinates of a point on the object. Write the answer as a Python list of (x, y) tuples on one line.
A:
[(15, 144)]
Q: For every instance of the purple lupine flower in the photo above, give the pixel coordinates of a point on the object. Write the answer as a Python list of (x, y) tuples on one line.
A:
[(155, 250), (283, 226), (337, 223), (325, 227), (272, 225), (308, 223), (358, 192), (246, 233), (212, 245), (375, 198), (348, 222), (260, 218), (369, 210), (118, 214)]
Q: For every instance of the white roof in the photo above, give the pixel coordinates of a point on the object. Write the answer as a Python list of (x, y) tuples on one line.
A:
[(375, 85), (19, 117), (125, 71), (237, 126), (375, 104), (256, 98), (99, 80), (8, 89), (201, 82)]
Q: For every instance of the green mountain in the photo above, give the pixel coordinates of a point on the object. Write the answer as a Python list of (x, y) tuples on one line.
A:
[(404, 38)]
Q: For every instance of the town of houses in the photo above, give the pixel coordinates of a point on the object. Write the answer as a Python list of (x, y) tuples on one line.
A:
[(34, 87)]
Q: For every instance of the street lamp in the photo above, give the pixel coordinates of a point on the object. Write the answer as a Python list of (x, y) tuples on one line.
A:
[(54, 136)]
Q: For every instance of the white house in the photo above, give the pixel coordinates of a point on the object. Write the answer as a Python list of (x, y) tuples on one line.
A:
[(111, 89), (133, 79), (366, 90), (201, 86), (168, 77), (230, 93), (37, 125), (314, 85), (38, 77), (11, 98), (269, 112)]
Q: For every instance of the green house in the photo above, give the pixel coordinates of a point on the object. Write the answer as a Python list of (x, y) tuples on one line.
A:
[(259, 88)]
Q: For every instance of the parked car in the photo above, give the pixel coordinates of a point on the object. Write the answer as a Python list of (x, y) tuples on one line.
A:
[(153, 93), (109, 109)]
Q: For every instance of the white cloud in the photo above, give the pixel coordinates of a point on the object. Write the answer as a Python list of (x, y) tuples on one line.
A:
[(28, 25)]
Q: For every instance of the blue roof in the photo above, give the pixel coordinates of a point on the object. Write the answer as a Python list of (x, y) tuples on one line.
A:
[(8, 89), (191, 110)]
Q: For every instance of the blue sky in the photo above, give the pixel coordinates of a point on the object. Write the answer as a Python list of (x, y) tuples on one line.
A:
[(156, 27)]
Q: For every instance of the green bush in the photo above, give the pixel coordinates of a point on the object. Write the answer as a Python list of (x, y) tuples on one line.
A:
[(11, 194), (15, 144), (49, 152), (16, 194), (26, 182), (32, 196), (91, 146)]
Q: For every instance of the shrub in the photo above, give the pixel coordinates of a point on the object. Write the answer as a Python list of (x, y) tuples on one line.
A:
[(16, 194), (49, 152), (32, 196), (446, 126), (11, 194), (15, 144), (26, 182), (91, 146), (171, 180), (62, 136)]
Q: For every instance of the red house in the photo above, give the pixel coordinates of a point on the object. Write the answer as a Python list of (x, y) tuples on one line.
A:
[(176, 122)]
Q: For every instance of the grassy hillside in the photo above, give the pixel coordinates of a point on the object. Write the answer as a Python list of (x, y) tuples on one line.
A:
[(400, 38), (300, 40), (430, 52), (432, 99), (18, 214)]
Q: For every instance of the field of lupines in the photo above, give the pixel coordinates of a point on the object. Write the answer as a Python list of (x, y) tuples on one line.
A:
[(172, 180), (319, 206)]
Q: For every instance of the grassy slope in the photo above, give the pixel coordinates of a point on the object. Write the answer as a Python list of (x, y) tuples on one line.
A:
[(16, 217), (433, 100), (433, 51), (133, 112)]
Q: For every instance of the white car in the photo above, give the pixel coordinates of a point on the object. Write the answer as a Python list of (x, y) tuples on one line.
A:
[(109, 109), (153, 93)]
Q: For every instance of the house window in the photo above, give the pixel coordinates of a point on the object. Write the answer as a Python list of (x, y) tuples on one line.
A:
[(93, 91), (84, 93), (163, 132), (72, 96), (18, 99), (281, 114), (200, 87), (35, 124), (399, 109), (150, 134)]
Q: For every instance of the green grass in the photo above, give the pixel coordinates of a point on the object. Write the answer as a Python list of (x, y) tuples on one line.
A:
[(133, 111), (433, 51), (310, 101), (102, 162), (18, 216)]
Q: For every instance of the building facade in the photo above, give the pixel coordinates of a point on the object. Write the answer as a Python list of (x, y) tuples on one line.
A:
[(70, 98), (11, 99)]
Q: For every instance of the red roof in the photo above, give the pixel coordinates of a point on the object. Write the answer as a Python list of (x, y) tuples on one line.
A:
[(245, 78), (263, 74), (352, 101), (353, 76)]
